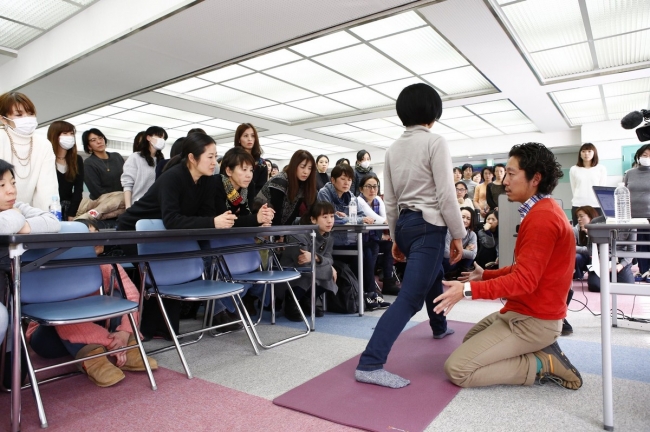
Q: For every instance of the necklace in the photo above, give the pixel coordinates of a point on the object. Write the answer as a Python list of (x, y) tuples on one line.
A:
[(106, 162), (28, 159)]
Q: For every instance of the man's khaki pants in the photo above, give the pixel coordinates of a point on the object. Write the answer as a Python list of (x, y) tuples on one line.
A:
[(498, 350)]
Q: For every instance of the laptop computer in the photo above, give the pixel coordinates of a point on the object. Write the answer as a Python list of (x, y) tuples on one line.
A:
[(605, 197)]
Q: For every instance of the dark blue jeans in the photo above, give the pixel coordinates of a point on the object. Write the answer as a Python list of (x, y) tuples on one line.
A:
[(423, 245), (581, 266)]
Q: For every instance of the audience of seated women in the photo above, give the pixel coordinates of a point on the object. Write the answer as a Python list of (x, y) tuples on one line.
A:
[(376, 243), (184, 198), (30, 153), (466, 263), (69, 167), (139, 170), (321, 214), (291, 193)]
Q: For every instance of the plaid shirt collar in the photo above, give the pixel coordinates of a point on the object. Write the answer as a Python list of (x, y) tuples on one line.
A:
[(525, 207)]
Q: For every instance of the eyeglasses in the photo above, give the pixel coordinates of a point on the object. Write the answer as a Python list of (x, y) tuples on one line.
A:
[(371, 187), (461, 190)]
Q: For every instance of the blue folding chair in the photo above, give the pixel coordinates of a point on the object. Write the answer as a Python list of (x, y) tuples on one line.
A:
[(245, 268), (183, 279), (60, 296)]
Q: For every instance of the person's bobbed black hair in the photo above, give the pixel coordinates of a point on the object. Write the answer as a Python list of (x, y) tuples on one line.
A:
[(418, 104)]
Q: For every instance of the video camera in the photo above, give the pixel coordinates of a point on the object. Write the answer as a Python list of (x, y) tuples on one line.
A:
[(635, 118)]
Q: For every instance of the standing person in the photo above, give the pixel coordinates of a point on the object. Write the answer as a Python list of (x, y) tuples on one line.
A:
[(322, 162), (361, 169), (480, 193), (518, 344), (247, 138), (583, 175), (637, 181), (31, 154), (177, 148), (458, 174), (69, 167), (102, 170), (421, 206), (468, 173), (496, 188), (139, 171), (291, 193), (376, 242)]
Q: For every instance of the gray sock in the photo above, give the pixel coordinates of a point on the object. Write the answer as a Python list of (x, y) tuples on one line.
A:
[(447, 333), (381, 377)]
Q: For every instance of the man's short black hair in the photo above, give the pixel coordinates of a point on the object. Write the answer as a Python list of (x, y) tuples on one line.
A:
[(467, 165), (418, 104), (343, 169), (536, 158)]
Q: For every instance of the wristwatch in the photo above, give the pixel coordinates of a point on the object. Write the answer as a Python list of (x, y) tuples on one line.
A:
[(467, 290)]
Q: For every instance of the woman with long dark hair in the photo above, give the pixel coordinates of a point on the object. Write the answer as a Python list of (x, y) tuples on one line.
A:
[(139, 171), (292, 192), (69, 167), (247, 138)]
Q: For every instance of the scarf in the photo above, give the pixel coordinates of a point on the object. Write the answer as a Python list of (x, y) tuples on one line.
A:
[(235, 199), (361, 169), (281, 182)]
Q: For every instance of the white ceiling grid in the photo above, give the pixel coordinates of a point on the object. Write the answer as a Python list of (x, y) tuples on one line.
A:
[(360, 68), (23, 20), (562, 38)]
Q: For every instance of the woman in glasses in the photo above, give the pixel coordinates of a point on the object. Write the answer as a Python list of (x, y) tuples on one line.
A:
[(462, 197), (376, 241)]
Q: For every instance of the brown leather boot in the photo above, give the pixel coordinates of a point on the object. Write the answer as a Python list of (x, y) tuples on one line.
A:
[(134, 361), (99, 370)]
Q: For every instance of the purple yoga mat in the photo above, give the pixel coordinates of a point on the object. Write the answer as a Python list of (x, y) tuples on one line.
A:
[(337, 397)]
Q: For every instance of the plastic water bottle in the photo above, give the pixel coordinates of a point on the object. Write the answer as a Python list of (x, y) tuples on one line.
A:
[(623, 210), (55, 207), (353, 211)]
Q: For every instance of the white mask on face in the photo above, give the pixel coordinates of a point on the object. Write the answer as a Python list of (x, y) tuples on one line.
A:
[(24, 125), (644, 161), (159, 144), (66, 142), (365, 164)]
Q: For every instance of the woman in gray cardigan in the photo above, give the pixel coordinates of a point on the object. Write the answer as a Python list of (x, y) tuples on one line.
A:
[(321, 214)]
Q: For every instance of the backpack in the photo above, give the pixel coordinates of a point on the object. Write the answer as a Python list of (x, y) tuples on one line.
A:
[(346, 300)]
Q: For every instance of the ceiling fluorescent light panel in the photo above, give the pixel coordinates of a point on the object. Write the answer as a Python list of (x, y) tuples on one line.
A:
[(394, 88), (284, 112), (172, 113), (578, 94), (587, 108), (564, 61), (222, 124), (312, 76), (623, 50), (421, 50), (491, 107), (327, 43), (362, 98), (626, 87), (372, 124), (609, 18), (321, 106), (457, 81), (336, 129), (218, 94), (270, 88), (187, 85)]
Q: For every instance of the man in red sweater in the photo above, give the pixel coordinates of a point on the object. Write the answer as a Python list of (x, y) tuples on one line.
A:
[(518, 343)]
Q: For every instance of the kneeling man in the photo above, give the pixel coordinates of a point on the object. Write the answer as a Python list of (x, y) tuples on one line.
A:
[(518, 343)]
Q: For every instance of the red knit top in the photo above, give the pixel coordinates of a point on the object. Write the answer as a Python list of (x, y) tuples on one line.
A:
[(538, 282)]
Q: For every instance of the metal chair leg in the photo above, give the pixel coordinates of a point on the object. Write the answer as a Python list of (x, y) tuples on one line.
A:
[(35, 389), (272, 303), (174, 338), (134, 326), (246, 320)]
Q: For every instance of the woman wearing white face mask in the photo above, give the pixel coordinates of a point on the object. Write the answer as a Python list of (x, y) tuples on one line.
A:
[(139, 171), (69, 167), (637, 181), (583, 175), (31, 154), (361, 169)]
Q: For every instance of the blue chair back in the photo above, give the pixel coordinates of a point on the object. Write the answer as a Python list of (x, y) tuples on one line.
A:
[(52, 285), (242, 262), (170, 272)]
